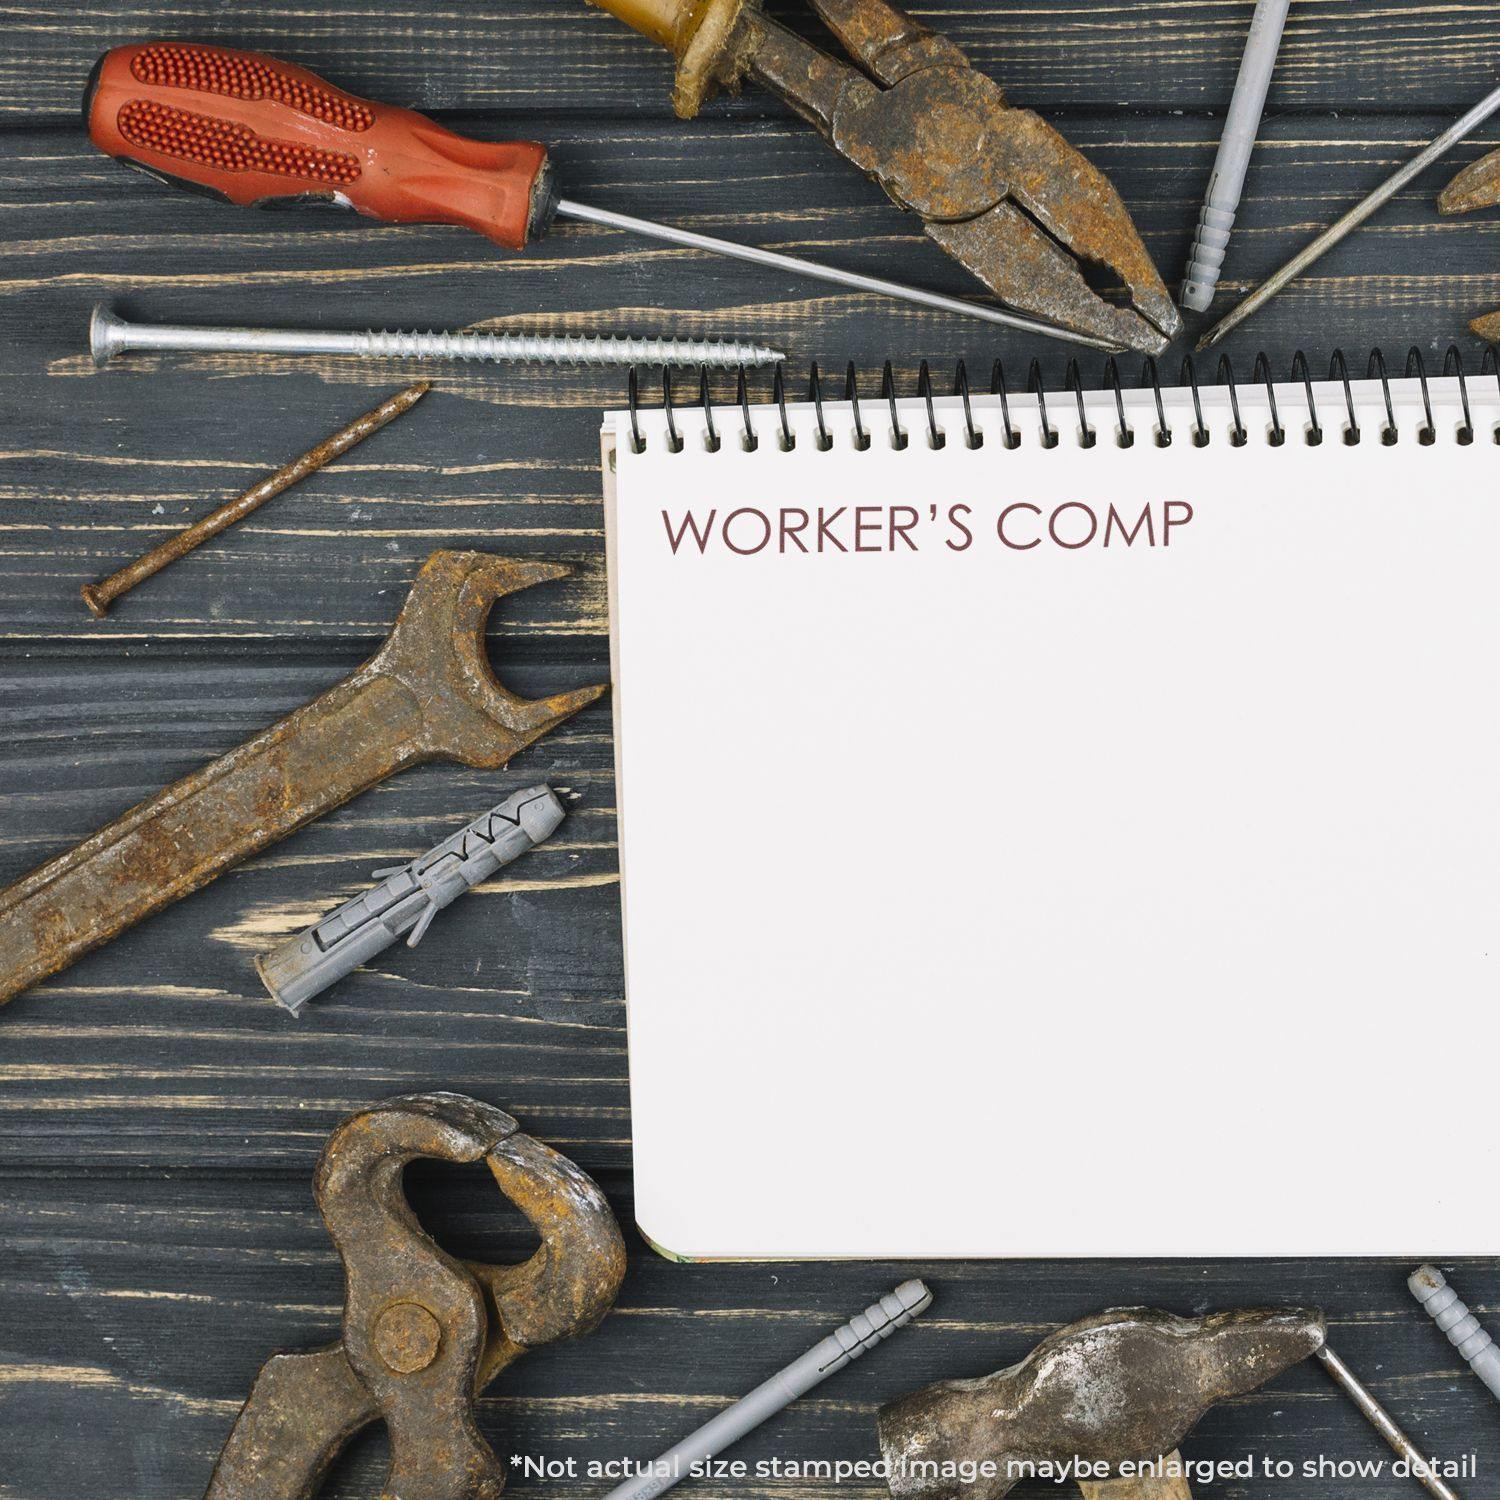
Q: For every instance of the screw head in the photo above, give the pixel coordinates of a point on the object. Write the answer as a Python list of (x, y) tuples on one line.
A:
[(106, 335)]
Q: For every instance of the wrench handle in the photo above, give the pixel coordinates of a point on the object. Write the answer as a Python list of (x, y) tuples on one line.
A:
[(170, 845)]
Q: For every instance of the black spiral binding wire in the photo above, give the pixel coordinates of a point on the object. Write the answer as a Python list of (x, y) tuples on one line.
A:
[(1124, 434)]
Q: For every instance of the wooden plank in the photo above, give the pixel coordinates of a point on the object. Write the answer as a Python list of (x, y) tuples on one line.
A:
[(140, 1311), (159, 1116), (546, 57), (94, 467)]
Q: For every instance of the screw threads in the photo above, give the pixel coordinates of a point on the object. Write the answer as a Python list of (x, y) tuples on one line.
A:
[(536, 349), (1444, 1306), (110, 336)]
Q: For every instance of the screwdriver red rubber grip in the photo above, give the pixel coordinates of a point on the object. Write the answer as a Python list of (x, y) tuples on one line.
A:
[(261, 132)]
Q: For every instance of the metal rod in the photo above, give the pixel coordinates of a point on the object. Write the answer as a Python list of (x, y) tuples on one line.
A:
[(880, 287), (1354, 218), (99, 596), (111, 335), (1382, 1421)]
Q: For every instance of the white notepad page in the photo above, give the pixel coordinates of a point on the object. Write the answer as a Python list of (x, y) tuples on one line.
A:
[(994, 899)]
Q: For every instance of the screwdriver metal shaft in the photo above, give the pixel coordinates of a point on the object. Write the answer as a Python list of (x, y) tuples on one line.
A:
[(754, 255)]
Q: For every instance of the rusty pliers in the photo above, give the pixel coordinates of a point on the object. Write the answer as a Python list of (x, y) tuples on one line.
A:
[(423, 1333), (996, 187)]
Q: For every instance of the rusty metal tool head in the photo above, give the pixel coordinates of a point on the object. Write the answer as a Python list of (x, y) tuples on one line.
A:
[(423, 1333), (1476, 187), (996, 187), (1123, 1387), (429, 693)]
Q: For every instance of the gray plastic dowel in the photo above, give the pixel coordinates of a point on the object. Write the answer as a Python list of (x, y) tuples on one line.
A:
[(1227, 182), (1430, 1288), (894, 1310), (407, 899)]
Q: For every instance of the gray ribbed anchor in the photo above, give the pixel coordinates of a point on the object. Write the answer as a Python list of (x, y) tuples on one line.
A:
[(110, 335), (844, 1345), (1430, 1287)]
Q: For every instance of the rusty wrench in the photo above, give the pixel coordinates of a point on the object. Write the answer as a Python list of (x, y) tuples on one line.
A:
[(428, 694), (423, 1333)]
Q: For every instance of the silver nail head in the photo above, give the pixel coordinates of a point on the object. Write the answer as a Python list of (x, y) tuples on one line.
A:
[(105, 330)]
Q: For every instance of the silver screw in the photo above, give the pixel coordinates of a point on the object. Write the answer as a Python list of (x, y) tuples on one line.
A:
[(1430, 1288), (110, 335)]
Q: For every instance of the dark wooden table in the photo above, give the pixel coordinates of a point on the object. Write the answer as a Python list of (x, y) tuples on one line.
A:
[(160, 1118)]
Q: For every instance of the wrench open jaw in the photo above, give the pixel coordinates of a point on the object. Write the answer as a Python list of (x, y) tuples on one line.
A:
[(1000, 190), (1476, 187), (429, 693)]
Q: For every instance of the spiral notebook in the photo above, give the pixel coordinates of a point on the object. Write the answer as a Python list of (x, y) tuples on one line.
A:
[(1066, 825)]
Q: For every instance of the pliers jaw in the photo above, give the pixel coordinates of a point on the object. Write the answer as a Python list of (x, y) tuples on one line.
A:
[(996, 187)]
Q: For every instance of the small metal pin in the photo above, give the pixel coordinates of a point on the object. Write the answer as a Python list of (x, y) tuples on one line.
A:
[(1383, 1423), (99, 596)]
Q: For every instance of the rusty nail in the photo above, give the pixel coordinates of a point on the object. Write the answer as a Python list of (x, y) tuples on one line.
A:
[(99, 596)]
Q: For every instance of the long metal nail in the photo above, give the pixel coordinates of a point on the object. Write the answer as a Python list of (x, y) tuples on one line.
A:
[(1383, 1423), (1353, 219), (99, 596), (110, 335)]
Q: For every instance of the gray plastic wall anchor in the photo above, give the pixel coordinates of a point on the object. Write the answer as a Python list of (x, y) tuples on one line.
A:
[(407, 899), (1430, 1288), (844, 1345), (1227, 181)]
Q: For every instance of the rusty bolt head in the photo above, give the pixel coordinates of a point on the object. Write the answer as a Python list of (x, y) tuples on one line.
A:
[(407, 1337)]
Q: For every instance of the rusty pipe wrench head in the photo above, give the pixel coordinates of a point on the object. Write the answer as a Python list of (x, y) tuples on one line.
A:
[(429, 693), (423, 1333), (998, 188), (1125, 1386)]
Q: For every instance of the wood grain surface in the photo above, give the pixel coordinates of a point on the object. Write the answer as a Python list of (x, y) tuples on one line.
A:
[(159, 1116)]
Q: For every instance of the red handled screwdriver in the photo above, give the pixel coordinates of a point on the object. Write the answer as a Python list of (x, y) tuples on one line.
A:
[(258, 132)]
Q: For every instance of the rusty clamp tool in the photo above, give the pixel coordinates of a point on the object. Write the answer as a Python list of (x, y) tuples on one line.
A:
[(428, 694), (998, 188), (423, 1333)]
